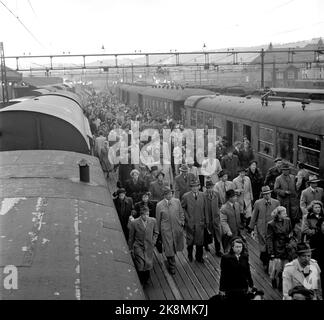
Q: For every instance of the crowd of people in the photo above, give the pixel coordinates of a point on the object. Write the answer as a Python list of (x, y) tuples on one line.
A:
[(218, 200)]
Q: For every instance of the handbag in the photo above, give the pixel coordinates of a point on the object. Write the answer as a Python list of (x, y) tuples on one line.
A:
[(158, 244), (208, 237)]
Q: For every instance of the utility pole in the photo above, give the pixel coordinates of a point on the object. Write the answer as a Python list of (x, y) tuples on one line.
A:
[(262, 69), (4, 83)]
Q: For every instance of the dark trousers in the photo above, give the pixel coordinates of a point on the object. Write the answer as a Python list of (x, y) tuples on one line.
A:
[(171, 261), (199, 251)]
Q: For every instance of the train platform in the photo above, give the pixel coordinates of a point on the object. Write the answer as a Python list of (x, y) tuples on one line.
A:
[(198, 281)]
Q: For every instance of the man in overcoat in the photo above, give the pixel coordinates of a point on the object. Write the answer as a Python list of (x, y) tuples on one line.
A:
[(124, 208), (194, 206), (230, 163), (285, 188), (170, 221), (142, 238), (261, 215), (213, 204), (313, 192), (230, 219), (182, 182), (243, 189), (223, 185)]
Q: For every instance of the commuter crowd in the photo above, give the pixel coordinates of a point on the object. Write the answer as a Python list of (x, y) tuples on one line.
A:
[(216, 200)]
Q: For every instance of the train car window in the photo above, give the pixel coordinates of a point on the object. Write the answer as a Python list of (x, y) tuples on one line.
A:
[(209, 120), (200, 119), (247, 132), (266, 141), (193, 120), (285, 145), (237, 132), (309, 153)]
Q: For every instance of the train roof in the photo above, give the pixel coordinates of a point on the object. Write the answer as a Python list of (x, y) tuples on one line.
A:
[(311, 120), (175, 94), (297, 90), (63, 235), (62, 124), (67, 94)]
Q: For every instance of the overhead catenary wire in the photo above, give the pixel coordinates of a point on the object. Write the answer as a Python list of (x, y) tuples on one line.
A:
[(32, 8), (34, 37)]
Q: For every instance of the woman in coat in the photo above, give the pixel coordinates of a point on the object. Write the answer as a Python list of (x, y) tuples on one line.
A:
[(104, 160), (235, 280), (142, 238), (310, 220), (256, 180), (170, 222), (279, 230)]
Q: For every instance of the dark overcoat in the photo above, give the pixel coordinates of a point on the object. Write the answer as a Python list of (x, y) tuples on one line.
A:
[(125, 213), (213, 204), (235, 273), (182, 186), (135, 190), (142, 241), (195, 217)]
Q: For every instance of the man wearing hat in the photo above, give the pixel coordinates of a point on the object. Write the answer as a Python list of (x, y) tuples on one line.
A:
[(170, 221), (302, 271), (243, 188), (230, 163), (193, 204), (223, 185), (261, 215), (313, 192), (157, 187), (124, 208), (230, 219), (272, 174), (135, 187), (213, 204), (182, 182), (285, 188)]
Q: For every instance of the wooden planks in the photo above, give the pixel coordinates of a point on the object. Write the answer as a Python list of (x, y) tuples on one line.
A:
[(197, 281)]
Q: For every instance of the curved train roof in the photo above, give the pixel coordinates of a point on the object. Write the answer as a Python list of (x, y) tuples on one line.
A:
[(63, 235), (66, 94), (57, 108), (170, 94), (291, 117)]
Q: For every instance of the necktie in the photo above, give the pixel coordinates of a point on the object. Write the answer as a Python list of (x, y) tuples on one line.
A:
[(195, 195), (225, 188)]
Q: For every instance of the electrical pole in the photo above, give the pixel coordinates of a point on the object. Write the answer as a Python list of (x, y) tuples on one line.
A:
[(262, 69), (4, 83)]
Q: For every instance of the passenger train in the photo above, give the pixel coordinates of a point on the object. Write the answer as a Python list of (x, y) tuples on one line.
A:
[(293, 130), (61, 233)]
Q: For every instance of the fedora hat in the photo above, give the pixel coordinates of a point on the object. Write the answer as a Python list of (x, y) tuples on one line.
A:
[(160, 172), (230, 193), (253, 161), (134, 171), (184, 168), (194, 182), (285, 166), (209, 183), (222, 173), (313, 178), (167, 190), (241, 169), (265, 190), (119, 191), (303, 247)]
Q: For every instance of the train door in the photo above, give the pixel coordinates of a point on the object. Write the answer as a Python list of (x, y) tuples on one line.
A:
[(247, 132), (229, 132)]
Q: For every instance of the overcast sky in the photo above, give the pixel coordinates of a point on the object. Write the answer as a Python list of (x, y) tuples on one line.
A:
[(83, 26)]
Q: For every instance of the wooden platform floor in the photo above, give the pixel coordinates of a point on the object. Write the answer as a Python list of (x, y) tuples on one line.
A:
[(197, 281)]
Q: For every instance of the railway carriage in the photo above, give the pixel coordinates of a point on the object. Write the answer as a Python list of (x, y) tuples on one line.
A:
[(291, 130)]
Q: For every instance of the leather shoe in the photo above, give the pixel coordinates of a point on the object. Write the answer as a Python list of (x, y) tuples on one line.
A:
[(190, 257)]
